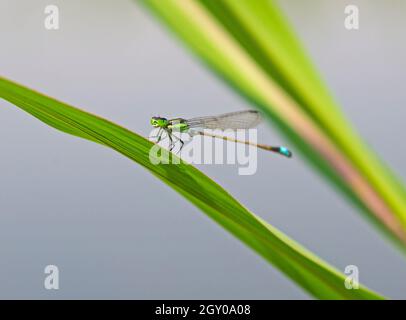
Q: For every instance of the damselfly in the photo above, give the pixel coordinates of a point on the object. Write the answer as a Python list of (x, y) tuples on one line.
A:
[(196, 126)]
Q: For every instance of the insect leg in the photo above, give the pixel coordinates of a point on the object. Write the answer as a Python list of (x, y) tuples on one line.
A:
[(180, 140), (182, 143), (171, 144), (158, 134)]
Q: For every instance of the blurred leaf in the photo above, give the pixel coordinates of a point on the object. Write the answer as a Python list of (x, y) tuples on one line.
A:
[(308, 271), (250, 46)]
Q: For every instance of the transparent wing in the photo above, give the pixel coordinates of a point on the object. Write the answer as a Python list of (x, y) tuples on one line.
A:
[(234, 120)]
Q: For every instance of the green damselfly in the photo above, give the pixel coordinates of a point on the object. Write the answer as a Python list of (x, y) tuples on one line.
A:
[(196, 126)]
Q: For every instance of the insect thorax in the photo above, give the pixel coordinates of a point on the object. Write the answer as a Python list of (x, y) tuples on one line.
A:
[(179, 125)]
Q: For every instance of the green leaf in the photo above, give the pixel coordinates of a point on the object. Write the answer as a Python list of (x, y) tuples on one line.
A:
[(250, 46), (308, 271)]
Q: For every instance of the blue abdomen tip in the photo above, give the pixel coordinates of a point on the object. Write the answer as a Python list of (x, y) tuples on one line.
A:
[(285, 151)]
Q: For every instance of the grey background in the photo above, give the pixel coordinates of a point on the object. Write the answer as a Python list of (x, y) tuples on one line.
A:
[(114, 230)]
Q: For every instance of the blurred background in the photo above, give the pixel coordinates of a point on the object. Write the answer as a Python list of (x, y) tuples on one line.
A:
[(114, 230)]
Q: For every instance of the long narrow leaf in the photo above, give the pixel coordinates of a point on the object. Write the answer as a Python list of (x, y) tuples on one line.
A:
[(249, 45), (308, 271)]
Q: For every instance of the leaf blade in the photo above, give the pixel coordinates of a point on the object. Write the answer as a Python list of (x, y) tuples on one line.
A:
[(330, 144), (308, 271)]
